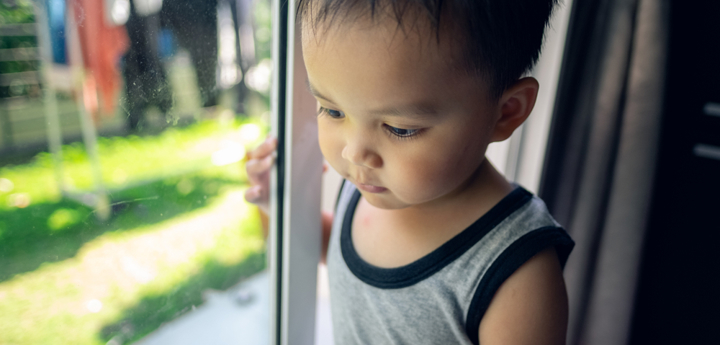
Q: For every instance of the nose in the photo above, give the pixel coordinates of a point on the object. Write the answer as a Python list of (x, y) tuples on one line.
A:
[(359, 151)]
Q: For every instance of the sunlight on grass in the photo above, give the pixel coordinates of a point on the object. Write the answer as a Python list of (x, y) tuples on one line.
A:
[(63, 218), (179, 226), (127, 160), (75, 298)]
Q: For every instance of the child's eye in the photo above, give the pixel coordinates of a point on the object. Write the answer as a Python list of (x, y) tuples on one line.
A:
[(401, 132), (335, 114)]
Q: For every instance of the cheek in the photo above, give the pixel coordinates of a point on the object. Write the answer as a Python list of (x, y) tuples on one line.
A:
[(330, 142), (427, 174)]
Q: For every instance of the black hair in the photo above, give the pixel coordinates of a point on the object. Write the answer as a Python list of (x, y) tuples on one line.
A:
[(501, 38)]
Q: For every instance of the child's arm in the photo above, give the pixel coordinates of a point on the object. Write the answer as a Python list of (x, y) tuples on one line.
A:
[(327, 220), (258, 165), (530, 307)]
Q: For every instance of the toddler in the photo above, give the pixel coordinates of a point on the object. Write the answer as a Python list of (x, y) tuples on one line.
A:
[(429, 244)]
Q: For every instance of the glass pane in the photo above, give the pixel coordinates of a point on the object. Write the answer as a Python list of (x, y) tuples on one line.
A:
[(123, 131)]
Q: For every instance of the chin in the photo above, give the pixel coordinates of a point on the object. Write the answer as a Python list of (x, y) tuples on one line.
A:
[(384, 201)]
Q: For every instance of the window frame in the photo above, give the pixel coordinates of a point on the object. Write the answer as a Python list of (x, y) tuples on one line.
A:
[(295, 225)]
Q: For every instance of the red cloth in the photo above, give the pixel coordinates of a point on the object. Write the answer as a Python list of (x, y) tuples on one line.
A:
[(102, 46)]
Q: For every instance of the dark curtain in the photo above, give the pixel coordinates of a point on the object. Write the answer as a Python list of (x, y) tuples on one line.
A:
[(601, 158)]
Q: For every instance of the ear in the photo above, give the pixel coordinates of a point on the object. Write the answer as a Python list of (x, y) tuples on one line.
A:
[(515, 106)]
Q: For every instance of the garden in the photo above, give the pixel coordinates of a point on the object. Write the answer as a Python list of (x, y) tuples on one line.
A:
[(179, 226)]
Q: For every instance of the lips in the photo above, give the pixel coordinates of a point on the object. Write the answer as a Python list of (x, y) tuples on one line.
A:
[(370, 188), (365, 187)]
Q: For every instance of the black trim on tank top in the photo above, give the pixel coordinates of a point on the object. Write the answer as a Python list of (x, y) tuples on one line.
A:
[(410, 274), (507, 263), (339, 194)]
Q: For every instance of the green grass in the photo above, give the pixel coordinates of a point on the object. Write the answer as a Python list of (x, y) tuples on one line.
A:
[(49, 232), (143, 278), (179, 226), (124, 160)]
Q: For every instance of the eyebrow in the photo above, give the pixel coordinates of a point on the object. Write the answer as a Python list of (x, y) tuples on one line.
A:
[(315, 92), (409, 110)]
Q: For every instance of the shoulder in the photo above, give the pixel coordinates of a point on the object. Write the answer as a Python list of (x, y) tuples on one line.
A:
[(521, 298), (530, 306)]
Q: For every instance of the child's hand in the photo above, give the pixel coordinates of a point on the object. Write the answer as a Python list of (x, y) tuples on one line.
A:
[(260, 160)]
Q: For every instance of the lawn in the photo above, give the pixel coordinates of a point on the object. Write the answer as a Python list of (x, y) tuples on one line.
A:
[(179, 226)]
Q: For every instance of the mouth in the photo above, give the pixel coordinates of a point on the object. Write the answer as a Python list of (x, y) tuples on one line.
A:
[(370, 188), (365, 187)]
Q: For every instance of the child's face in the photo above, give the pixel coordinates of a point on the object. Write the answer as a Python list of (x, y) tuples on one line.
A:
[(397, 119)]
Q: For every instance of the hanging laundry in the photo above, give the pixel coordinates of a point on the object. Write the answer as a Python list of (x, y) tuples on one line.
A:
[(102, 43)]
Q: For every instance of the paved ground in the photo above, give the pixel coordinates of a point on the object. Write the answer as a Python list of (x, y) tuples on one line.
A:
[(238, 316)]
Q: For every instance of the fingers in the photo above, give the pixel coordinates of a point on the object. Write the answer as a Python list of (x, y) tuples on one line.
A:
[(266, 148), (258, 165), (257, 169), (258, 196), (253, 194)]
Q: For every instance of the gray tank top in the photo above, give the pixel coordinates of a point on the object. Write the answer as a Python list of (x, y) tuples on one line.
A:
[(441, 297)]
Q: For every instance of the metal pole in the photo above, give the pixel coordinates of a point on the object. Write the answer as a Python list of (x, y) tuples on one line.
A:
[(100, 199), (54, 135)]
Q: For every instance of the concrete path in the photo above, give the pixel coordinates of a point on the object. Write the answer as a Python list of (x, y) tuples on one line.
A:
[(238, 316)]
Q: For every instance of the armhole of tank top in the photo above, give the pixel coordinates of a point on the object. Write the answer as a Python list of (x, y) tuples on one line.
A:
[(514, 256)]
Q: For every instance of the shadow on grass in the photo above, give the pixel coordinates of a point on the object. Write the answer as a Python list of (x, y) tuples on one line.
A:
[(152, 311), (52, 232)]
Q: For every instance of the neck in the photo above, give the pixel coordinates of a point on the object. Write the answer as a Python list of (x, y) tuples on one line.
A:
[(478, 194)]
